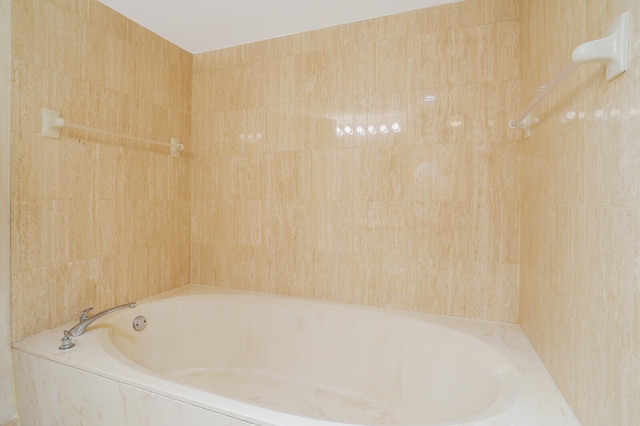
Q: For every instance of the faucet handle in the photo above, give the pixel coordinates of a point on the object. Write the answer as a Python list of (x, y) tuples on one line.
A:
[(83, 315), (66, 342)]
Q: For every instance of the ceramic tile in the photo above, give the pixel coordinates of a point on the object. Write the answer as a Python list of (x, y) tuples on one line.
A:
[(382, 227), (295, 127), (276, 80), (80, 202), (439, 115), (556, 15), (244, 131), (431, 57), (567, 248), (610, 150), (238, 176), (296, 187), (311, 76), (330, 272), (600, 14), (480, 291), (535, 245), (491, 239), (507, 64), (391, 65), (443, 18), (611, 275), (463, 53), (287, 176), (390, 290), (494, 167), (334, 222), (332, 176), (440, 230), (507, 292), (502, 10), (578, 299), (28, 89), (358, 61), (439, 286), (372, 111), (486, 122)]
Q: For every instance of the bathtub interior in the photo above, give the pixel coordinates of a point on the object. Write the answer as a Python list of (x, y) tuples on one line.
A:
[(319, 360)]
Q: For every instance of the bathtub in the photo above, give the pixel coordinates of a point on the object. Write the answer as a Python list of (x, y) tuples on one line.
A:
[(210, 356)]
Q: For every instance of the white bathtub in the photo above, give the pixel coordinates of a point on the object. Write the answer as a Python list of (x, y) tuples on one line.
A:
[(217, 357)]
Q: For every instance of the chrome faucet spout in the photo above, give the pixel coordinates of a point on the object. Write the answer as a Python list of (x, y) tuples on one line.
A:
[(85, 321)]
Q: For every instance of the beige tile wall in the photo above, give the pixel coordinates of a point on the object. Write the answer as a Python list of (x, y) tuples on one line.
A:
[(425, 219), (580, 231), (95, 221)]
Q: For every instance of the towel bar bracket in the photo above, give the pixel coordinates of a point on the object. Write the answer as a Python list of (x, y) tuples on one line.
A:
[(525, 125)]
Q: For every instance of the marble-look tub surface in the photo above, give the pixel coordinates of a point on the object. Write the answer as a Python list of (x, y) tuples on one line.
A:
[(217, 356)]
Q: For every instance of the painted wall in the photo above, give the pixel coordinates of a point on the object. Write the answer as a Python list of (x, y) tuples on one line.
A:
[(424, 219), (580, 234), (95, 221), (7, 399)]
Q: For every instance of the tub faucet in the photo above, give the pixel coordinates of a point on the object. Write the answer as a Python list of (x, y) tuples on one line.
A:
[(85, 321)]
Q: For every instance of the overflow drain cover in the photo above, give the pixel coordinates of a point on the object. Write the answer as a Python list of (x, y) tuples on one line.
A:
[(139, 323)]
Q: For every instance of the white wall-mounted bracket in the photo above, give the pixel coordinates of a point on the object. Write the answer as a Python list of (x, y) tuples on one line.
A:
[(176, 147), (51, 123), (612, 50), (525, 125)]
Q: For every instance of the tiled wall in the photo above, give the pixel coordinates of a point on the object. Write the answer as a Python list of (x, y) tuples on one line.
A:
[(96, 221), (424, 219), (580, 233)]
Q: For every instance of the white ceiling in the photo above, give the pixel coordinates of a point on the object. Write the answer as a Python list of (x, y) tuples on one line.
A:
[(204, 25)]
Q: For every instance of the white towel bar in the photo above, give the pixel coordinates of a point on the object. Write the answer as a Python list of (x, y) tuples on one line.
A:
[(612, 50), (52, 123)]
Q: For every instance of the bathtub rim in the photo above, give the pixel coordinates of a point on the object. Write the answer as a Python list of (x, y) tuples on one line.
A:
[(536, 389)]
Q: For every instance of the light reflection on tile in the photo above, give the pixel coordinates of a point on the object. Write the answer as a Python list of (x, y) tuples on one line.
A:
[(376, 153)]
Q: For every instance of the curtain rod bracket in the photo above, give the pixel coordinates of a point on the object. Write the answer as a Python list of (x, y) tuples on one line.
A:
[(51, 124), (176, 147)]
